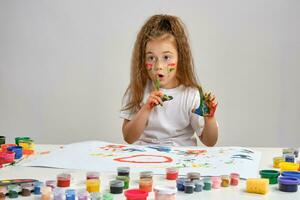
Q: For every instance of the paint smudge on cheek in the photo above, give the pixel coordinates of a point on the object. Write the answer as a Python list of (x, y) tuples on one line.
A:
[(149, 66), (171, 67)]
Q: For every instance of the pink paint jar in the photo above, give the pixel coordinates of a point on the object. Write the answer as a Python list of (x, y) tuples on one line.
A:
[(216, 182), (7, 157), (135, 194), (165, 193)]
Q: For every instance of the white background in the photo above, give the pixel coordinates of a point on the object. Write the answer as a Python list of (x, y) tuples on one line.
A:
[(64, 66)]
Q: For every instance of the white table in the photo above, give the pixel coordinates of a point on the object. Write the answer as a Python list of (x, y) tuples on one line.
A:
[(78, 177)]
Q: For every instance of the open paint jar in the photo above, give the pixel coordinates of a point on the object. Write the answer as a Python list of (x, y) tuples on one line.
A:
[(164, 193), (272, 175), (145, 184), (288, 184), (225, 181), (234, 179), (116, 186), (63, 180), (123, 171), (93, 185), (172, 173), (277, 161), (136, 194)]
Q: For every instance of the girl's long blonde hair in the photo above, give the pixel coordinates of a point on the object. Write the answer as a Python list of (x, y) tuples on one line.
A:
[(157, 26)]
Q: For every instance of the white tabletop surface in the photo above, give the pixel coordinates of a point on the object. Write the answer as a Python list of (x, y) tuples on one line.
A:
[(78, 177)]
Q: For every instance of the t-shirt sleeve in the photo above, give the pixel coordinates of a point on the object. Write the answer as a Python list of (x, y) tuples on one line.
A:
[(125, 114), (197, 121)]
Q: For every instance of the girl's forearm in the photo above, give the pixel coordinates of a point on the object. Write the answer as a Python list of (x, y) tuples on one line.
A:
[(209, 134), (133, 129)]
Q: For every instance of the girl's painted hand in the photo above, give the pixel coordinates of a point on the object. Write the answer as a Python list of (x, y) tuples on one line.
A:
[(207, 107), (154, 99)]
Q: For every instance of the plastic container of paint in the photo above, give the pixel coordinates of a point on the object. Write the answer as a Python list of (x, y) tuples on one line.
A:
[(2, 139), (123, 171), (198, 185), (92, 175), (18, 151), (172, 173), (18, 139), (13, 191), (58, 194), (216, 182), (189, 187), (7, 157), (179, 183), (207, 183), (70, 194), (82, 195), (63, 180), (51, 183), (288, 166), (164, 193), (28, 146), (234, 179), (107, 196), (289, 158), (26, 189), (93, 185), (272, 175), (135, 194), (277, 161), (145, 184), (3, 192), (46, 193), (37, 187), (125, 179), (225, 180), (291, 174), (146, 174), (193, 176), (288, 184), (116, 186), (4, 147)]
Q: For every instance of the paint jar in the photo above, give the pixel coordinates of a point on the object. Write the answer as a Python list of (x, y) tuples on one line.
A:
[(18, 139), (193, 176), (198, 185), (58, 194), (2, 139), (92, 175), (4, 147), (70, 194), (13, 191), (7, 157), (172, 173), (123, 171), (288, 184), (289, 158), (95, 196), (164, 193), (207, 183), (116, 186), (51, 183), (216, 182), (277, 161), (63, 180), (37, 187), (287, 166), (107, 196), (146, 174), (145, 184), (18, 151), (135, 194), (93, 185), (234, 179), (82, 195), (46, 193), (28, 146), (26, 189), (125, 179), (272, 175), (188, 187), (225, 181), (291, 174), (179, 183), (3, 192)]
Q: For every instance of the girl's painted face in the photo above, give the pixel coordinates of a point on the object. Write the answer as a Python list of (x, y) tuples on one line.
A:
[(161, 61)]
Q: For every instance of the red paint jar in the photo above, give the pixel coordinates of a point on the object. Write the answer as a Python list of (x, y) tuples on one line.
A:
[(136, 194), (234, 179), (172, 173), (63, 180)]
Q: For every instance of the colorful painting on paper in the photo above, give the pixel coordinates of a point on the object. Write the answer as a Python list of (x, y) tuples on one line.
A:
[(103, 156)]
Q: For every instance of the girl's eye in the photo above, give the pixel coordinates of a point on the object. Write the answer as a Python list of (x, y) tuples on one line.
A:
[(150, 58), (167, 57)]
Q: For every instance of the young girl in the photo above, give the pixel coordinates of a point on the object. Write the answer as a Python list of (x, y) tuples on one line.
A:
[(164, 104)]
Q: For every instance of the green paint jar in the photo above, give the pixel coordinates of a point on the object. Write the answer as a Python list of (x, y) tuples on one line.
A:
[(125, 179), (272, 175)]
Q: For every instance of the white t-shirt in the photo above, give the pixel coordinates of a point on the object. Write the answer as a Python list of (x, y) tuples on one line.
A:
[(172, 124)]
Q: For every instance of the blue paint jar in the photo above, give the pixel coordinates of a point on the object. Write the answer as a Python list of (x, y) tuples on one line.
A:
[(291, 174), (289, 158), (18, 151), (179, 183), (70, 194), (189, 187), (37, 187), (198, 185), (288, 184)]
